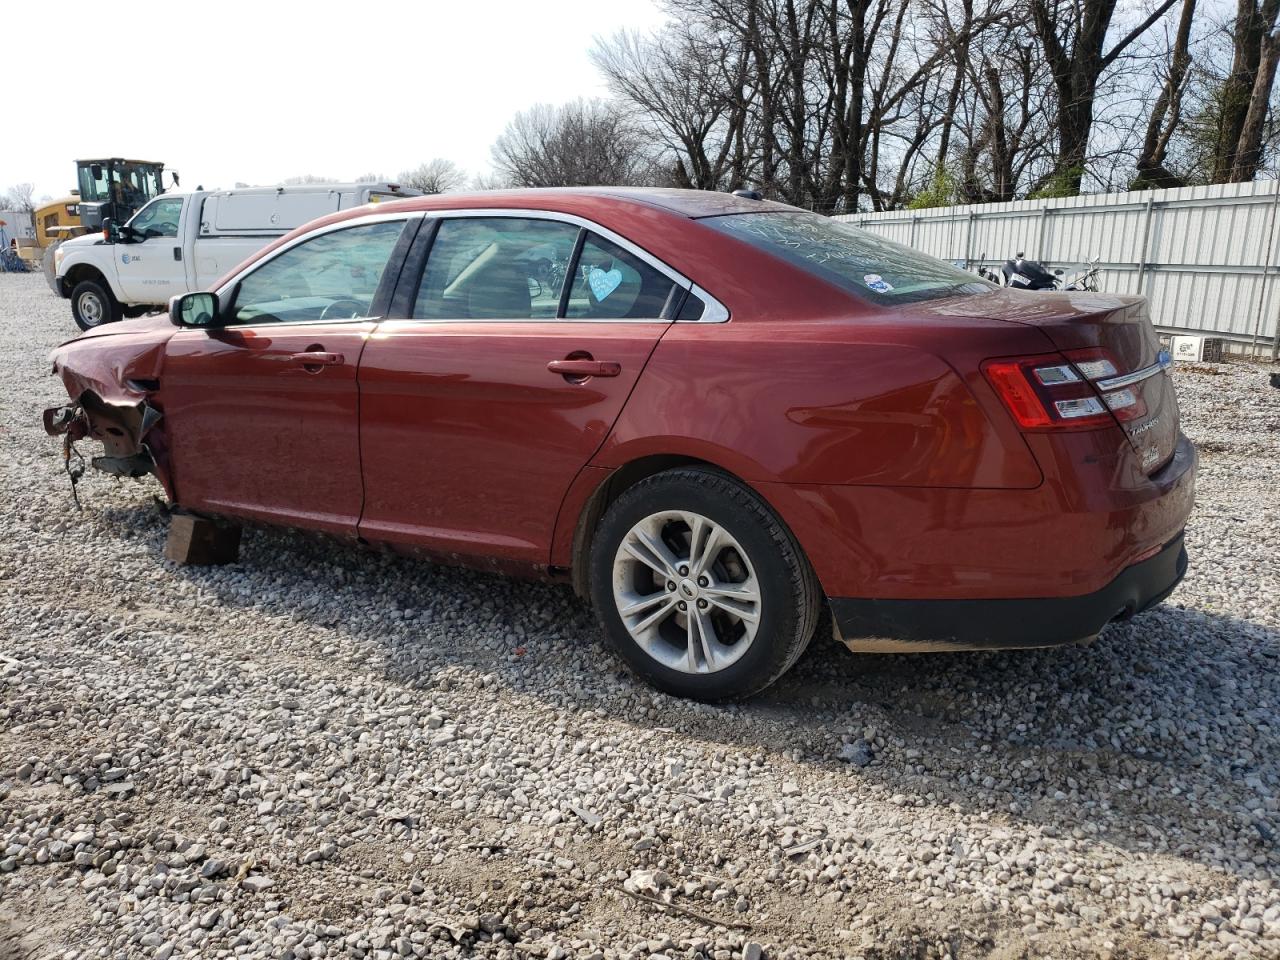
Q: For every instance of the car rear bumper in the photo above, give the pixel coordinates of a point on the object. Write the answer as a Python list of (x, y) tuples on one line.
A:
[(919, 626)]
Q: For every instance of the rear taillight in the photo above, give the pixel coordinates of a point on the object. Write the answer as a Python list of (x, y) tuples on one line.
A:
[(1058, 391)]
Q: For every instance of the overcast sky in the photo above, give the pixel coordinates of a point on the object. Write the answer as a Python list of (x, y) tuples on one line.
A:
[(255, 92)]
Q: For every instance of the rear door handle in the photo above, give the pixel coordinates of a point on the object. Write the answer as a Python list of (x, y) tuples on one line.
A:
[(585, 368), (314, 358)]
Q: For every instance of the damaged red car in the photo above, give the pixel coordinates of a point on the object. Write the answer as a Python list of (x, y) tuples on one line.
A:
[(717, 417)]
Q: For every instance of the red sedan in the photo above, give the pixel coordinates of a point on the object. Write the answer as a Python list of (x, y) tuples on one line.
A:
[(717, 417)]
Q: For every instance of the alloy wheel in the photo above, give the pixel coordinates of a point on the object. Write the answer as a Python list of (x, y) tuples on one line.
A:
[(686, 591)]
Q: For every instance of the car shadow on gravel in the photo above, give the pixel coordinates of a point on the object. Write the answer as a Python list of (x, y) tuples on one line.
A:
[(1158, 729), (1161, 728)]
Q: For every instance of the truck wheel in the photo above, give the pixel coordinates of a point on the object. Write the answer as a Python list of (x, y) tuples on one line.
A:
[(700, 588), (93, 305), (49, 265)]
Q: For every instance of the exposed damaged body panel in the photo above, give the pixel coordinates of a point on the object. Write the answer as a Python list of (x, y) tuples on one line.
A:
[(118, 362), (112, 376)]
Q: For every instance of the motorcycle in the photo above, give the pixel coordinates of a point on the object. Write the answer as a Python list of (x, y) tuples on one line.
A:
[(1023, 274)]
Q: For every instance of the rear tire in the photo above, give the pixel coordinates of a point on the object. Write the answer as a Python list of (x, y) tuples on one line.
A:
[(49, 265), (700, 587), (92, 305)]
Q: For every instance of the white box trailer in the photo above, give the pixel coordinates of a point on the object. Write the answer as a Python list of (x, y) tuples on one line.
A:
[(183, 242)]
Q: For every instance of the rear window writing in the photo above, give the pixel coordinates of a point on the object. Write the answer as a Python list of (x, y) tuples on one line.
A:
[(858, 261)]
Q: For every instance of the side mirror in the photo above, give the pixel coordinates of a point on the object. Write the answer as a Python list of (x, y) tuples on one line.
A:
[(199, 310), (120, 232)]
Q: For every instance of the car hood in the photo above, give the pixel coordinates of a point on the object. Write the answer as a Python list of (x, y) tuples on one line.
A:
[(150, 325), (114, 360), (88, 240)]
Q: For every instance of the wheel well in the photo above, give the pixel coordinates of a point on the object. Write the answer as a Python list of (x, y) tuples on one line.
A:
[(626, 476), (81, 272)]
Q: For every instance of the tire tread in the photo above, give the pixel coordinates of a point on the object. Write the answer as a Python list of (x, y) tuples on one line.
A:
[(806, 593)]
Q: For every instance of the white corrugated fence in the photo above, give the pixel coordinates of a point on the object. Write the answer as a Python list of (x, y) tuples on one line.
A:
[(1208, 258)]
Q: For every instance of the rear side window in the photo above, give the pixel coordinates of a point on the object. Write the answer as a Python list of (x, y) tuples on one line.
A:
[(858, 261), (692, 308), (495, 268), (612, 284)]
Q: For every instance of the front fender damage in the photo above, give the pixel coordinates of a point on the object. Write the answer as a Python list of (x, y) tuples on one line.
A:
[(124, 430), (112, 386)]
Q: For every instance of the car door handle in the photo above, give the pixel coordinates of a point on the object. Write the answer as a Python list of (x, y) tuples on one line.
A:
[(314, 358), (585, 368)]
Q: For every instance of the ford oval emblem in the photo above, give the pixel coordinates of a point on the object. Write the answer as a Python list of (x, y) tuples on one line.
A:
[(1164, 358)]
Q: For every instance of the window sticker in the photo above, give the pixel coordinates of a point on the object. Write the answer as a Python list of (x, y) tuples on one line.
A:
[(877, 283), (604, 282)]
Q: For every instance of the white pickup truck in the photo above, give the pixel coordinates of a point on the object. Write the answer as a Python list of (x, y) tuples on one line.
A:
[(178, 243)]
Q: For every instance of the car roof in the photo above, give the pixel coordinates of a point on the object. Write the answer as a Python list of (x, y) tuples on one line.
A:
[(688, 203), (655, 219)]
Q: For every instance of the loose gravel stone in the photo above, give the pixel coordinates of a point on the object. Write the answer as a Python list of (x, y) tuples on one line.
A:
[(318, 752)]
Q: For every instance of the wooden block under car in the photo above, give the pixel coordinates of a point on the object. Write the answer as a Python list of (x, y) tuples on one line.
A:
[(201, 542)]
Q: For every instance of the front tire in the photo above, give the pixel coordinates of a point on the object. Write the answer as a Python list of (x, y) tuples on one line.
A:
[(48, 263), (700, 587), (92, 305)]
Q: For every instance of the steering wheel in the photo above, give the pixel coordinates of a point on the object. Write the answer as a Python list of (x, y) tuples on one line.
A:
[(331, 311)]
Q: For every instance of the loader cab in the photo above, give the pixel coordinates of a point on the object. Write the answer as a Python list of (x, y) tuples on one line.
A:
[(115, 189)]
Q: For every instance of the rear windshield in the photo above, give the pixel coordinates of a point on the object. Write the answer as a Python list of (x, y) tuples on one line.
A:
[(870, 266)]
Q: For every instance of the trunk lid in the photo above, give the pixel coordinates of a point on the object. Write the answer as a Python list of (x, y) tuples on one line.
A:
[(1120, 327)]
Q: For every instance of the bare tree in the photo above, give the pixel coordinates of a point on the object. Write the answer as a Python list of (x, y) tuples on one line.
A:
[(1007, 123), (20, 197), (437, 175), (1257, 48), (844, 104), (305, 179), (1166, 112), (583, 143), (820, 104), (488, 181), (372, 178), (1073, 35), (690, 86)]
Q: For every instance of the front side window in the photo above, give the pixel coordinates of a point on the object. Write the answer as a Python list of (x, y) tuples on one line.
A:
[(858, 261), (495, 268), (94, 184), (613, 284), (158, 218), (330, 277)]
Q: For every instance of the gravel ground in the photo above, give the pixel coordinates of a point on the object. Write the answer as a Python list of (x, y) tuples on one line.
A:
[(318, 752)]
